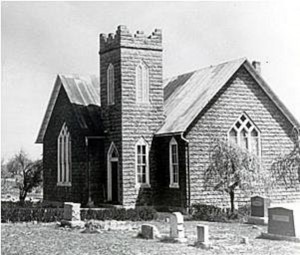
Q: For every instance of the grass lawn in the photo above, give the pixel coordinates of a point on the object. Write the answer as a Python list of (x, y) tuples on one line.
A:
[(28, 238)]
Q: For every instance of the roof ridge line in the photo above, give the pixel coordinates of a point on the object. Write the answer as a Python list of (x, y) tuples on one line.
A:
[(210, 66)]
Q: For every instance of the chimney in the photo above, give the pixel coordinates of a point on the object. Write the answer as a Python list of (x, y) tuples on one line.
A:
[(256, 65)]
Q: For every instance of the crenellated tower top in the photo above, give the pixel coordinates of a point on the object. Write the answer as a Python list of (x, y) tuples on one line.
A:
[(124, 39)]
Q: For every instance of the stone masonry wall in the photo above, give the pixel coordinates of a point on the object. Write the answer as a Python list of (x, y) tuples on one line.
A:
[(241, 94), (111, 114), (63, 112), (139, 120), (125, 121), (164, 196)]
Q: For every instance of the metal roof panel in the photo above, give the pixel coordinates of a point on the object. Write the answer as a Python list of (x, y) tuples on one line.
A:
[(84, 95), (186, 95)]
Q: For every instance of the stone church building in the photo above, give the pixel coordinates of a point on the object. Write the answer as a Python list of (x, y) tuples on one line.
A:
[(132, 138)]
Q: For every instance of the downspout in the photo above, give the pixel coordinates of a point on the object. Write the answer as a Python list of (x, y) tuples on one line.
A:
[(297, 135), (90, 203), (187, 158)]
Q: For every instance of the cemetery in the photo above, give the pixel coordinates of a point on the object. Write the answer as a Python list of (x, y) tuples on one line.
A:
[(168, 233), (203, 162)]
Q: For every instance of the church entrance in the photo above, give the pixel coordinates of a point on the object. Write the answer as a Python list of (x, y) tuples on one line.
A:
[(114, 180), (113, 175)]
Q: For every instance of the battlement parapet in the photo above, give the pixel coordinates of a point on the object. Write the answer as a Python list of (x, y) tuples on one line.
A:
[(124, 39)]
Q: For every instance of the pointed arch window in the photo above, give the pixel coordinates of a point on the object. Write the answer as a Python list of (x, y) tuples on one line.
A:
[(110, 85), (142, 83), (142, 163), (245, 134), (64, 157), (174, 164)]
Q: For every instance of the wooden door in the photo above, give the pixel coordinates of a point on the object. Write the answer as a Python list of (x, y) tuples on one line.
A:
[(114, 182)]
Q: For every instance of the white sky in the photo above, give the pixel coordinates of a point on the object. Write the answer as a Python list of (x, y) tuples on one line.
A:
[(41, 39)]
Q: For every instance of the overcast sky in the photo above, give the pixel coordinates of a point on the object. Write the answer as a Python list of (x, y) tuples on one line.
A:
[(41, 39)]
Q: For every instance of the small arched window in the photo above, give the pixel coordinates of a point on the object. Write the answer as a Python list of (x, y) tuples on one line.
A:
[(110, 85), (64, 157), (245, 134), (142, 162), (142, 83), (174, 164)]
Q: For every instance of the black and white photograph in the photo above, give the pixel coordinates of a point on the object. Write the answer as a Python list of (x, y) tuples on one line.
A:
[(150, 127)]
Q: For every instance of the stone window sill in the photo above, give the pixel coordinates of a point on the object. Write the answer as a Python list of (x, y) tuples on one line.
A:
[(174, 186), (64, 184), (142, 185)]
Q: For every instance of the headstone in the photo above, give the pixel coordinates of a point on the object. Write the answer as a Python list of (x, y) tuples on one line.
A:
[(245, 240), (259, 210), (259, 206), (284, 222), (202, 234), (72, 211), (150, 231), (177, 227), (72, 216)]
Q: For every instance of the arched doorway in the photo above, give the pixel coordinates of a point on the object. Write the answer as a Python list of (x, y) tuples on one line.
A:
[(112, 174)]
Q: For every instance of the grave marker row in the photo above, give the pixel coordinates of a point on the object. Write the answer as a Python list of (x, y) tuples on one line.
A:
[(282, 220), (149, 231)]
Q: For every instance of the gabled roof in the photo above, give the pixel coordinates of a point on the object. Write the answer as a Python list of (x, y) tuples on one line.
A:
[(186, 95), (84, 95)]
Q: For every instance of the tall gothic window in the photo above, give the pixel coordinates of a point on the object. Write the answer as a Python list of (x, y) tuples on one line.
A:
[(246, 135), (64, 157), (142, 162), (174, 165), (142, 83), (110, 85)]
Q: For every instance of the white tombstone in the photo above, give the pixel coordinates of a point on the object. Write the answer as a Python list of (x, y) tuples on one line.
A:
[(72, 211), (72, 216), (177, 227), (202, 234)]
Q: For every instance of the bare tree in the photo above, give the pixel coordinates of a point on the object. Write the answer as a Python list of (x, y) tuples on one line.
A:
[(231, 167), (286, 168), (30, 173), (13, 167)]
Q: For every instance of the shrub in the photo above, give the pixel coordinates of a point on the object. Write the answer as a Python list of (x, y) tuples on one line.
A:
[(146, 213), (21, 214), (13, 212), (213, 213), (137, 214), (27, 204), (244, 210)]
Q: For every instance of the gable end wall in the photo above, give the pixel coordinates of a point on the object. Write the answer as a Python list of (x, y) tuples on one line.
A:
[(241, 94), (63, 112)]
